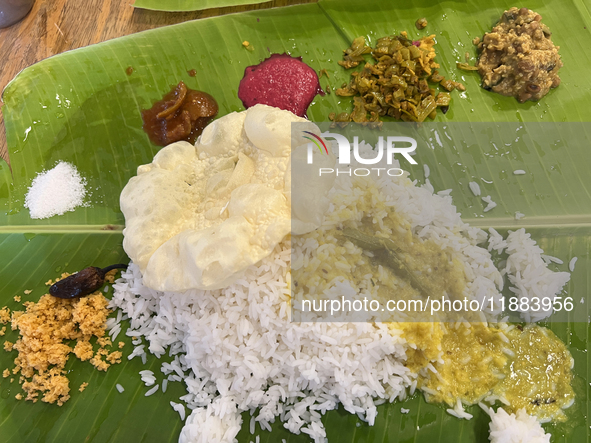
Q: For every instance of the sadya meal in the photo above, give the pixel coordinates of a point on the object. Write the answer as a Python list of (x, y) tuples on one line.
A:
[(221, 251)]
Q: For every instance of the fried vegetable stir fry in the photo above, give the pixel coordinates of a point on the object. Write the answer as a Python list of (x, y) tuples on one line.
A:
[(397, 84)]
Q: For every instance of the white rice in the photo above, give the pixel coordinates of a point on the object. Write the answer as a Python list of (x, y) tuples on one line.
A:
[(119, 388), (148, 377), (137, 351), (529, 274), (180, 408), (519, 172), (496, 241), (519, 215), (475, 188), (427, 171), (572, 263), (152, 390), (514, 428), (549, 259), (404, 411), (458, 411), (280, 360), (203, 426), (490, 203)]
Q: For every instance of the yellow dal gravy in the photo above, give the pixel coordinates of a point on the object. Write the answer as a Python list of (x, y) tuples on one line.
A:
[(529, 369), (435, 271)]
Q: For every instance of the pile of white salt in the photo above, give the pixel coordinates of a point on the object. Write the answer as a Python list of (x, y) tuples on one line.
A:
[(56, 191)]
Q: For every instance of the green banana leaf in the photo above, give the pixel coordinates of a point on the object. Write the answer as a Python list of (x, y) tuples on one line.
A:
[(190, 5), (82, 107)]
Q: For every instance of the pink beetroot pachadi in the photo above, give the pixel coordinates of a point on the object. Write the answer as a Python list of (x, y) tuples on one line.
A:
[(281, 81)]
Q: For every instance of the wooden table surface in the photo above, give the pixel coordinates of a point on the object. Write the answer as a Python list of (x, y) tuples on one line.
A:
[(55, 26)]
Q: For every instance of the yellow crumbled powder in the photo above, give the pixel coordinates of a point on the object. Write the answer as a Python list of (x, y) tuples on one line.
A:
[(98, 362), (83, 350), (104, 341), (110, 276), (28, 291), (121, 344), (45, 331), (83, 386), (6, 373), (114, 357), (11, 380), (4, 315), (19, 396), (3, 331), (16, 315), (8, 346), (51, 282), (17, 298)]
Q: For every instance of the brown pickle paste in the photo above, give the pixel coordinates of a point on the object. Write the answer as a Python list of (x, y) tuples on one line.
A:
[(182, 114)]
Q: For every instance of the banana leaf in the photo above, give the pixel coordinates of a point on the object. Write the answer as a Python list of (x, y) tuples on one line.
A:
[(82, 107), (190, 5)]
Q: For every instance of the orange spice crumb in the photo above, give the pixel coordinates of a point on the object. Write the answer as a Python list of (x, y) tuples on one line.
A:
[(121, 344), (6, 373), (3, 331), (28, 291), (17, 298), (18, 396), (8, 346), (83, 386)]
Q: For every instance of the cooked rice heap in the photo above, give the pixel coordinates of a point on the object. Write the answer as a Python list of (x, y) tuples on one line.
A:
[(45, 328), (239, 351)]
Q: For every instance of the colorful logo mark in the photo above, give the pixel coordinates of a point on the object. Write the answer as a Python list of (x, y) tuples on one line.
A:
[(316, 142)]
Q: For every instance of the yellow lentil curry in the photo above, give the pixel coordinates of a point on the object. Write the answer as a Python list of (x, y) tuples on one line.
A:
[(399, 263), (522, 367)]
